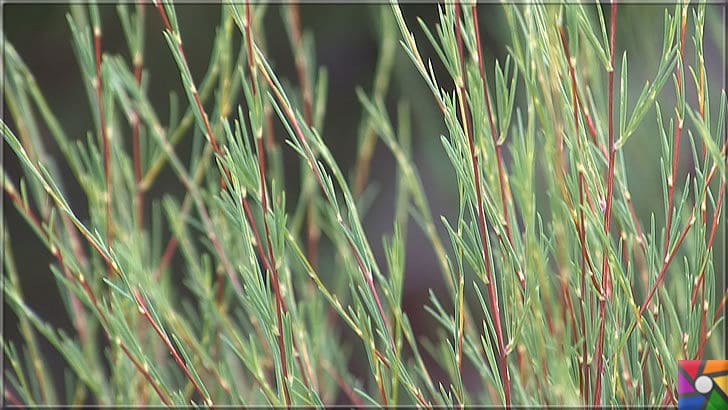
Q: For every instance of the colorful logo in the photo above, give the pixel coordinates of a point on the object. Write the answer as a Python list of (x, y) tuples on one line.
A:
[(702, 384)]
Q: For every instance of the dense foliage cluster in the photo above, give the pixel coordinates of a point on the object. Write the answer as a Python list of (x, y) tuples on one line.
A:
[(559, 287)]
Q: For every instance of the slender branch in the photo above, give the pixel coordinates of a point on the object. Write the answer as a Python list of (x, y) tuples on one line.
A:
[(464, 113), (380, 386), (138, 61), (584, 368), (142, 305), (572, 75), (314, 233), (671, 254), (666, 264), (288, 112), (184, 179), (714, 226), (249, 46), (79, 278), (206, 122), (492, 296), (280, 309), (346, 388), (503, 182), (678, 132), (144, 370), (606, 279), (104, 137), (300, 61), (79, 319)]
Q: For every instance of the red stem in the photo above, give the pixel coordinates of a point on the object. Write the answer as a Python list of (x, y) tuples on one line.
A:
[(466, 126), (676, 148), (314, 233), (145, 312), (668, 258), (208, 130), (720, 308), (492, 297), (104, 138), (136, 151), (12, 194), (273, 270), (146, 375), (348, 391), (249, 44), (574, 97), (667, 261), (281, 307), (211, 138), (312, 164), (581, 229), (643, 369), (503, 184), (582, 319), (382, 392), (606, 280), (713, 229), (301, 64)]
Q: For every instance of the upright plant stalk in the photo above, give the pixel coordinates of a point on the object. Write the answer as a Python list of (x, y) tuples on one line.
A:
[(80, 279), (273, 269), (300, 62), (492, 295), (581, 230), (288, 112), (211, 139), (503, 182), (678, 131), (606, 279), (584, 368), (671, 254), (260, 329), (208, 130), (313, 231), (464, 114), (716, 213), (98, 84), (80, 318), (144, 310), (700, 285), (138, 62)]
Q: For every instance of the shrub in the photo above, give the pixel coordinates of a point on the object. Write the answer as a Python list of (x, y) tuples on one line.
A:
[(565, 282)]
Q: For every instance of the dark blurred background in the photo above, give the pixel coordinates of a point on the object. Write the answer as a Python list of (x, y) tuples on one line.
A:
[(346, 43)]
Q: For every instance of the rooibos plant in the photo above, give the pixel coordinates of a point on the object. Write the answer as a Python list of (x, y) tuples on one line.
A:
[(561, 287)]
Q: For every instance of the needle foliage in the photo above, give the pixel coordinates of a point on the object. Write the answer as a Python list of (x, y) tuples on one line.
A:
[(255, 288)]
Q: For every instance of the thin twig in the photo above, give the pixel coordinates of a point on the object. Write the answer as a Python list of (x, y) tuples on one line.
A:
[(492, 296), (142, 305), (584, 368), (138, 175), (302, 71), (503, 182), (185, 181), (288, 112), (98, 83), (678, 132), (606, 279)]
